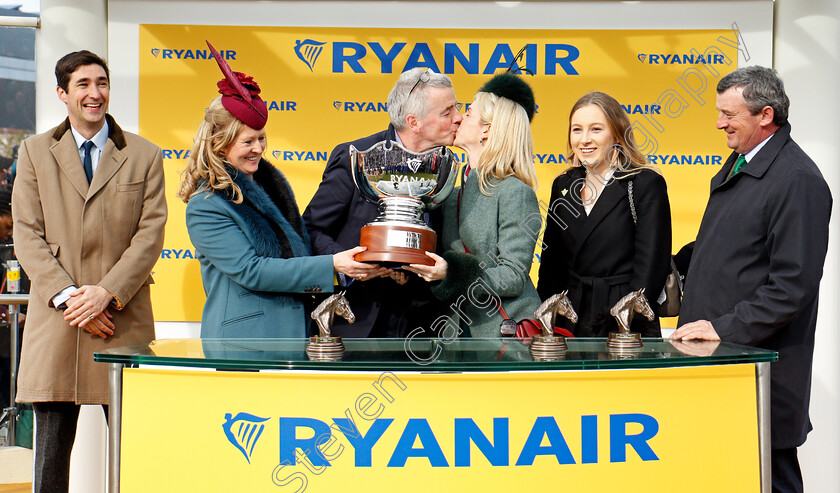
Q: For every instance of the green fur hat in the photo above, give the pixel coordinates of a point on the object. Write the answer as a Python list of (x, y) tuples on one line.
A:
[(510, 86)]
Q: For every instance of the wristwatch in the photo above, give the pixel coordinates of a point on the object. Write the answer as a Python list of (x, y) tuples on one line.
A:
[(508, 327)]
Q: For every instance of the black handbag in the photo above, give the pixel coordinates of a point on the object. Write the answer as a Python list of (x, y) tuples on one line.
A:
[(673, 289)]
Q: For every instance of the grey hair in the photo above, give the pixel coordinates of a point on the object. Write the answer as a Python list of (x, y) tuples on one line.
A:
[(403, 101), (762, 87)]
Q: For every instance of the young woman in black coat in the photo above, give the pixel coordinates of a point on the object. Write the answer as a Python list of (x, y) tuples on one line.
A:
[(608, 228)]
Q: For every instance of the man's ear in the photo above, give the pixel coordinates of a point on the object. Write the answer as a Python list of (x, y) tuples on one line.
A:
[(767, 115), (62, 94), (412, 122)]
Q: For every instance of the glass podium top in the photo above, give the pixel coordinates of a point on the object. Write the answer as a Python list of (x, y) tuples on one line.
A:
[(423, 354)]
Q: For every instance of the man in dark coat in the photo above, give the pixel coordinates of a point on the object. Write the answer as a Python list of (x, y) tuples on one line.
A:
[(423, 112), (755, 269)]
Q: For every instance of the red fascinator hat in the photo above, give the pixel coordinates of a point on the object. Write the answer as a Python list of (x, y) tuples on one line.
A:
[(240, 95)]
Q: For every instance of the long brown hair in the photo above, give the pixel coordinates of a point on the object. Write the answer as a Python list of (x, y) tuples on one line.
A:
[(630, 158)]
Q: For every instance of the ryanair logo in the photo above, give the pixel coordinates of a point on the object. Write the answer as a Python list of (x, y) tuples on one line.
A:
[(285, 155), (187, 54), (347, 56), (681, 59), (361, 106), (243, 431), (308, 51), (414, 164), (684, 159)]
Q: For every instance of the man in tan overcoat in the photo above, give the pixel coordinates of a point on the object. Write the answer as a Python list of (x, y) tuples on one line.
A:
[(89, 211)]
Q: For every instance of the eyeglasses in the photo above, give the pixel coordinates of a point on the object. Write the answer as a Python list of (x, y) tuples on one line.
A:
[(424, 77)]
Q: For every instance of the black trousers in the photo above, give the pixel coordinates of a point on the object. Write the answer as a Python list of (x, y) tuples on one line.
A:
[(787, 477), (55, 433)]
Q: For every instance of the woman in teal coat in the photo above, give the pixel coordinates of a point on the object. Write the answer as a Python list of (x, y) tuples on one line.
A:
[(256, 263), (488, 221)]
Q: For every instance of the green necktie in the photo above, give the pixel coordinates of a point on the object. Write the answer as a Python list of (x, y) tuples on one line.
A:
[(739, 163)]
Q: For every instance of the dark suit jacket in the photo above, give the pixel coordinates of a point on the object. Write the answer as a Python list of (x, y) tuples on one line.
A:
[(756, 267), (334, 219), (603, 256)]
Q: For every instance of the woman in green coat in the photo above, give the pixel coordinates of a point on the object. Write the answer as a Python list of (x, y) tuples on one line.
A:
[(489, 221)]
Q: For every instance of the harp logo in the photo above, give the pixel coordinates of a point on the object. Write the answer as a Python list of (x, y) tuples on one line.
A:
[(243, 431), (414, 164), (308, 51)]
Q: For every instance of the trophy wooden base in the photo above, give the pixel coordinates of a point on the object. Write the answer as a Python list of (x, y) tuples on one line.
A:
[(548, 348), (396, 244), (624, 342), (325, 348)]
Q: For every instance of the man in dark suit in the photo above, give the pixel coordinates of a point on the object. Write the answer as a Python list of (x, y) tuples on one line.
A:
[(89, 210), (423, 112), (755, 269)]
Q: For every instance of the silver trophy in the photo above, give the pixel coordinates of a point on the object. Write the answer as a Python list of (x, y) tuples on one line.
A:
[(403, 184)]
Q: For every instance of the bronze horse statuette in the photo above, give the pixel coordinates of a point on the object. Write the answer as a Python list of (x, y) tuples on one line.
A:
[(547, 313), (325, 312), (324, 346), (548, 345), (624, 340)]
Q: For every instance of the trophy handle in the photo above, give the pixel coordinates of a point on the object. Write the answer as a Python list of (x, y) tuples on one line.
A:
[(365, 188), (447, 187)]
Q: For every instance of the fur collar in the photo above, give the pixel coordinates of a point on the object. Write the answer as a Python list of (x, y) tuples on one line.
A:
[(269, 200), (115, 133)]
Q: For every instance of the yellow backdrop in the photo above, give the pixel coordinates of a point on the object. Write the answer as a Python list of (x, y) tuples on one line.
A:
[(325, 86)]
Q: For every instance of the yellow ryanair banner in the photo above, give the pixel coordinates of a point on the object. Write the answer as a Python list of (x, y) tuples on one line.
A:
[(325, 86), (693, 429)]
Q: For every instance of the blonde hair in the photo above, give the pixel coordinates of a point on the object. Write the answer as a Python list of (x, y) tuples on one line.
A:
[(509, 148), (206, 168), (630, 158)]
